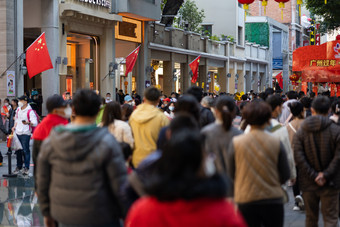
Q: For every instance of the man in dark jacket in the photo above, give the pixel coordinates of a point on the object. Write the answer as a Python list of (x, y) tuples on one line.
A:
[(317, 155), (206, 116), (81, 169)]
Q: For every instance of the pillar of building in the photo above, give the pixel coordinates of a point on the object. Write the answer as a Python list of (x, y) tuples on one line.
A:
[(168, 76), (202, 75), (222, 78), (185, 77), (144, 60), (232, 78), (106, 57), (50, 25)]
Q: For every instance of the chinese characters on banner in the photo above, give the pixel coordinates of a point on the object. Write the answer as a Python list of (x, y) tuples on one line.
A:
[(318, 63), (10, 83)]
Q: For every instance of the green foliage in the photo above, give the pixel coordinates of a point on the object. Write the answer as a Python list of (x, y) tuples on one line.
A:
[(227, 38), (163, 2), (215, 38), (190, 16), (330, 13), (257, 33)]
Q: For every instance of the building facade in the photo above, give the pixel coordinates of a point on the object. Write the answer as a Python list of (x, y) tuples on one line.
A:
[(86, 40)]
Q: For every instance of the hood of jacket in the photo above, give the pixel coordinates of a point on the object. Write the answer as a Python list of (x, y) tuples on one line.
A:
[(144, 113), (316, 123), (74, 143)]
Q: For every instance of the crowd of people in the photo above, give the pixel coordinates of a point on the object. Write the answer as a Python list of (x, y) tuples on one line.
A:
[(192, 159)]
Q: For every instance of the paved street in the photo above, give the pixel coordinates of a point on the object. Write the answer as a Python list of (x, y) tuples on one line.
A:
[(18, 204)]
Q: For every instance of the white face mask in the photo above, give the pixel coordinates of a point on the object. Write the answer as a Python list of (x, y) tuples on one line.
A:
[(68, 112), (171, 108), (132, 103), (6, 104), (20, 104)]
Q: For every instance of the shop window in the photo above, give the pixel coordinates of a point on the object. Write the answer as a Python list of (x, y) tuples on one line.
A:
[(207, 28)]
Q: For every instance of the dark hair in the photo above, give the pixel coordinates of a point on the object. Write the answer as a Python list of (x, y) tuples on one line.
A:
[(86, 103), (269, 91), (15, 100), (6, 99), (226, 106), (152, 94), (108, 93), (263, 96), (112, 111), (183, 121), (336, 107), (127, 151), (176, 171), (244, 97), (274, 101), (292, 95), (127, 110), (54, 102), (321, 104), (188, 104), (296, 108), (301, 94), (312, 94), (306, 102), (195, 91), (257, 113)]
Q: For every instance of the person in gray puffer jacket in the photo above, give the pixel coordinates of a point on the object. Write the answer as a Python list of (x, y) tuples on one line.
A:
[(81, 170)]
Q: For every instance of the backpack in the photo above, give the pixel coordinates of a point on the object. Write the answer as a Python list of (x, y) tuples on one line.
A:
[(32, 128)]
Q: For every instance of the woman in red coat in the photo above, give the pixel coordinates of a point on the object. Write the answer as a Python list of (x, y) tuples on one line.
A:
[(183, 190)]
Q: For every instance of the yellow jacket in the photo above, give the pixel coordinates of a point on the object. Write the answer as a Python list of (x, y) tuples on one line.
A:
[(146, 122)]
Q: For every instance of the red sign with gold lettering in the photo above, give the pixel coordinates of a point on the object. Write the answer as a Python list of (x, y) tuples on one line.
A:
[(318, 63)]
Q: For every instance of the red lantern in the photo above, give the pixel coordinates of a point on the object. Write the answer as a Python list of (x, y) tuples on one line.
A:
[(264, 4), (282, 6), (245, 3), (294, 78)]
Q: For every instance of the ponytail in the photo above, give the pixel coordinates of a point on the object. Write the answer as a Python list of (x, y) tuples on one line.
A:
[(227, 118), (226, 106)]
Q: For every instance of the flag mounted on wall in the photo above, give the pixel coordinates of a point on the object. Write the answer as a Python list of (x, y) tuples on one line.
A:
[(37, 57), (194, 68), (131, 60)]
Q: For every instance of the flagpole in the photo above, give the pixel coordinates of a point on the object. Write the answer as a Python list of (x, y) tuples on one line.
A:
[(123, 60), (2, 74), (34, 41), (195, 59)]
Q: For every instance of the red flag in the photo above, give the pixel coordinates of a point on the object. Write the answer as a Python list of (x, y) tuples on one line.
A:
[(131, 60), (194, 68), (37, 57), (279, 79)]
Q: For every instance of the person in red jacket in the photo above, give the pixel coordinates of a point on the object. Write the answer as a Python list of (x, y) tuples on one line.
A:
[(184, 189), (58, 114)]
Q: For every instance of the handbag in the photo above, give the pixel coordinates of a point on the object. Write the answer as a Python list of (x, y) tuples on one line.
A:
[(16, 144)]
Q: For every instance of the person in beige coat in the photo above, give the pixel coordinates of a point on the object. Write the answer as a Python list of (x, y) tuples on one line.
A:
[(112, 118), (258, 164), (297, 110)]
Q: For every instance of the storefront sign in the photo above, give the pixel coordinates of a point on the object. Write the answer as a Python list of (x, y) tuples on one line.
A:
[(10, 83), (103, 3), (129, 30)]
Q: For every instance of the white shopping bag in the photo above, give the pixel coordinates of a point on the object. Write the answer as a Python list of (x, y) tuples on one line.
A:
[(16, 144)]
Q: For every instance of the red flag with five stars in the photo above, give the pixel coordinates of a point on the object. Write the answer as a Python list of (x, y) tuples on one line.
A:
[(131, 60), (37, 57), (194, 68)]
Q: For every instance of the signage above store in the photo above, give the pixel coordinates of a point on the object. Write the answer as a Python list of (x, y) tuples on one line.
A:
[(103, 3), (129, 30)]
